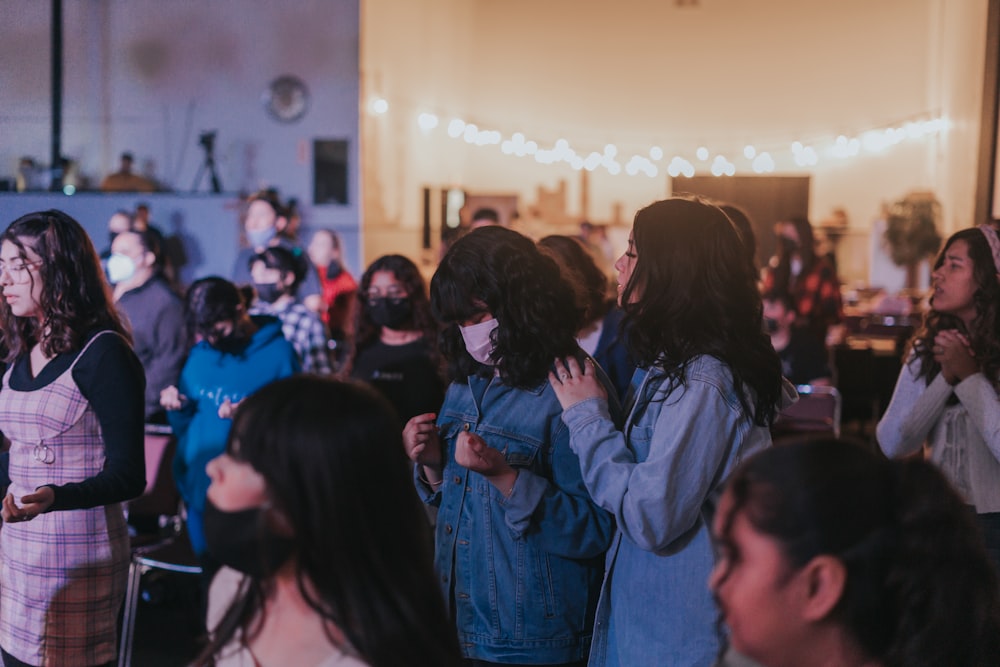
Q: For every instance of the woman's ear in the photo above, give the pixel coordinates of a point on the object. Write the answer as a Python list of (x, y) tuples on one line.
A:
[(824, 578)]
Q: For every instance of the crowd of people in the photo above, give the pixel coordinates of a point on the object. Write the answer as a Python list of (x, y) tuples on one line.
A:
[(518, 463)]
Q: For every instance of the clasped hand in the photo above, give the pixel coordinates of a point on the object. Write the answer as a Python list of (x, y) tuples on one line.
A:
[(953, 351), (573, 382), (32, 505)]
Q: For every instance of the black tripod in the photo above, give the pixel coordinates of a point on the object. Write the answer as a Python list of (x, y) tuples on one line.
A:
[(207, 141)]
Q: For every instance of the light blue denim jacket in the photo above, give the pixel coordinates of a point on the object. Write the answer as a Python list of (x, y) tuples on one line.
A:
[(657, 476), (521, 574)]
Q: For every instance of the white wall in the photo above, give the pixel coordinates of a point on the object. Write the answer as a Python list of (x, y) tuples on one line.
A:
[(644, 72), (149, 76)]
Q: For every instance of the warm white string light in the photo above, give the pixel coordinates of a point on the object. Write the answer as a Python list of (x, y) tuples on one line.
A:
[(752, 157)]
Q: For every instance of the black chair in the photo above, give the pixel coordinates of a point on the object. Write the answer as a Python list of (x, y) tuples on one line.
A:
[(817, 411)]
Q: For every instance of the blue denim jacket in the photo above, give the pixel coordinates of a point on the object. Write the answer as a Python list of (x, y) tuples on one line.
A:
[(657, 476), (521, 574)]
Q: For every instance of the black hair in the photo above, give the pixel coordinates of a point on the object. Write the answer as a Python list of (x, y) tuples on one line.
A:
[(496, 270), (421, 318), (486, 213), (331, 453), (806, 249), (984, 332), (209, 301), (694, 293), (920, 588), (581, 271), (741, 221), (75, 299), (283, 259), (270, 197)]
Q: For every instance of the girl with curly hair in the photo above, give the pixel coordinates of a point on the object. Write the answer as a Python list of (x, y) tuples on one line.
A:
[(519, 542), (72, 406), (708, 389), (396, 345), (831, 555), (947, 394)]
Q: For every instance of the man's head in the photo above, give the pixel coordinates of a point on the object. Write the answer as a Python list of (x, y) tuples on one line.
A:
[(484, 217)]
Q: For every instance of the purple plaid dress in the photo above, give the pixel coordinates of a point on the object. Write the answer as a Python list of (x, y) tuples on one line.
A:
[(62, 574)]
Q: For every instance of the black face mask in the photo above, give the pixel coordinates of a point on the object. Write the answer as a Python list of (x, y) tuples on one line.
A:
[(788, 246), (770, 325), (268, 292), (391, 313), (333, 269), (243, 541)]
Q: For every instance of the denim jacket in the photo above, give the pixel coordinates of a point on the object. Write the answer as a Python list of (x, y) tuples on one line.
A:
[(521, 574), (658, 476)]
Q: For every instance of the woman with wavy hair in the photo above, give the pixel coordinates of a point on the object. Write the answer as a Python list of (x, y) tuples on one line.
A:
[(519, 540), (831, 555), (71, 404), (313, 514), (946, 399), (396, 345), (708, 389)]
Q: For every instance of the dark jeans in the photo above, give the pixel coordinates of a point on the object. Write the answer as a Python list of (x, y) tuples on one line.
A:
[(989, 524), (11, 661)]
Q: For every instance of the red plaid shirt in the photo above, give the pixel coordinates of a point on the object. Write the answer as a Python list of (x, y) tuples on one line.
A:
[(816, 295)]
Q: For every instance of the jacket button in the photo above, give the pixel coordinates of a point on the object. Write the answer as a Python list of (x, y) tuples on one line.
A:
[(467, 426), (447, 528), (458, 480)]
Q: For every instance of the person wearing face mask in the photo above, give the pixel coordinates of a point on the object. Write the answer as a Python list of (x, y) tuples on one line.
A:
[(154, 310), (520, 542), (265, 218), (275, 277), (811, 280), (326, 559), (339, 287), (804, 359), (234, 355), (396, 348)]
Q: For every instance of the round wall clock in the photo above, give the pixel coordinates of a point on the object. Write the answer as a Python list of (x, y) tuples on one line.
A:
[(286, 98)]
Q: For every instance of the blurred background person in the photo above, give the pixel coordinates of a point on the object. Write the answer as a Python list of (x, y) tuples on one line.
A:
[(265, 218), (312, 511), (276, 275), (602, 336), (396, 348), (154, 311), (338, 290), (804, 358), (126, 180), (810, 280)]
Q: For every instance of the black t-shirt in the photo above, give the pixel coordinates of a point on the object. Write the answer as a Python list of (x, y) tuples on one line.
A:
[(404, 374)]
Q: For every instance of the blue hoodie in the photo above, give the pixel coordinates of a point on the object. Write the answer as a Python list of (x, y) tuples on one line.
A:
[(209, 377)]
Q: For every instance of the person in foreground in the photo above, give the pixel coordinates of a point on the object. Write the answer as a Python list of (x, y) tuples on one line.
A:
[(519, 540), (830, 555), (947, 392), (707, 389), (324, 543), (72, 406)]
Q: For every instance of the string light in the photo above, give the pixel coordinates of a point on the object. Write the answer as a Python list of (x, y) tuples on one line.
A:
[(753, 157)]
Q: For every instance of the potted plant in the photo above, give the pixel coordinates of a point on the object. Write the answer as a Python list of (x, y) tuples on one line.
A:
[(911, 231)]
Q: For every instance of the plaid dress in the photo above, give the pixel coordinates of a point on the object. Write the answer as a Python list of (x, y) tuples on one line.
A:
[(62, 574)]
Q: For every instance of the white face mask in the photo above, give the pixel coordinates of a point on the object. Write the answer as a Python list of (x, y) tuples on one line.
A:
[(478, 341), (120, 268)]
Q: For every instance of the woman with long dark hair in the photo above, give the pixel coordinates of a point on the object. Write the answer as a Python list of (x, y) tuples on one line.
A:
[(395, 349), (72, 406), (708, 391), (519, 540), (831, 555), (313, 514), (947, 393)]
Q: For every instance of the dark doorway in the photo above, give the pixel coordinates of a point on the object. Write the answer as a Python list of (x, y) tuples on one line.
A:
[(766, 199)]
